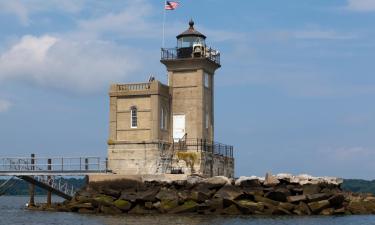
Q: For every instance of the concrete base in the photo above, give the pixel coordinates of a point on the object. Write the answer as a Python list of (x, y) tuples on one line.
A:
[(141, 178)]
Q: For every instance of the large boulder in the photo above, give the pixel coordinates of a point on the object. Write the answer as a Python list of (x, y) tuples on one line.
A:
[(302, 209), (340, 211), (216, 182), (279, 195), (129, 195), (215, 204), (250, 207), (252, 181), (111, 192), (104, 200), (266, 200), (122, 204), (231, 210), (281, 211), (199, 196), (83, 199), (318, 197), (149, 205), (228, 192), (310, 189), (337, 200), (204, 208), (287, 206), (327, 212), (168, 205), (167, 194), (296, 198), (148, 195), (317, 207), (194, 180), (187, 207)]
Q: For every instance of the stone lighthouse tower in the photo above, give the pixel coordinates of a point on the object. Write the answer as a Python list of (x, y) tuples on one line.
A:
[(191, 68), (168, 130)]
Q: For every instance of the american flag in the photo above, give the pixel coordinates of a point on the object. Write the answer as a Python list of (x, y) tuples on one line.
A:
[(171, 5)]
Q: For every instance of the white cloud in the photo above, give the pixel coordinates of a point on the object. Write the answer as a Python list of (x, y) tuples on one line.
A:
[(361, 5), (68, 64), (4, 105), (131, 22), (81, 60)]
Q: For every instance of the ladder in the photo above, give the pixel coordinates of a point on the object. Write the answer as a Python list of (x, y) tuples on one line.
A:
[(168, 157)]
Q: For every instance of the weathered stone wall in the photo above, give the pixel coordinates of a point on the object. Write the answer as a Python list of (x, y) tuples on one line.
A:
[(272, 195), (134, 159), (217, 165)]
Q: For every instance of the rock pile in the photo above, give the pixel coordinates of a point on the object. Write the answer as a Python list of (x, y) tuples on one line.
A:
[(283, 194)]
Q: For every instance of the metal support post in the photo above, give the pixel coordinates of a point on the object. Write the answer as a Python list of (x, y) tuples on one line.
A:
[(86, 164), (32, 186), (49, 194)]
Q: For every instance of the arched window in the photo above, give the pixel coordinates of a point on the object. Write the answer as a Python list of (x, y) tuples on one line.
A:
[(133, 117)]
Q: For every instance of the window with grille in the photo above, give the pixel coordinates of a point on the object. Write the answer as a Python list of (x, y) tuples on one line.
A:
[(133, 117)]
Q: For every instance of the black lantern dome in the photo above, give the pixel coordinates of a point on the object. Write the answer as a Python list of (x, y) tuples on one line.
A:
[(191, 44), (190, 37)]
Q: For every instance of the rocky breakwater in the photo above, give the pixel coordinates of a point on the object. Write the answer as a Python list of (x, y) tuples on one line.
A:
[(283, 194)]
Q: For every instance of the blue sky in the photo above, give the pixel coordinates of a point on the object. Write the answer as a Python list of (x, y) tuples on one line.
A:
[(295, 92)]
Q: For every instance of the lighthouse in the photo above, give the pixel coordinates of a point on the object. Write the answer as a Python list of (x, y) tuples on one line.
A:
[(161, 129)]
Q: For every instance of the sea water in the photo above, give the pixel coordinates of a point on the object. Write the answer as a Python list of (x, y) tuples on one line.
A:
[(13, 212)]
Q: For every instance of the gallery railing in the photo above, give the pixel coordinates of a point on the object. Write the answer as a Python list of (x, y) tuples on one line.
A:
[(205, 146), (183, 53)]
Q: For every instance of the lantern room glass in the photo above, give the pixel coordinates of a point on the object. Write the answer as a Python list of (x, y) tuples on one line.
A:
[(189, 41)]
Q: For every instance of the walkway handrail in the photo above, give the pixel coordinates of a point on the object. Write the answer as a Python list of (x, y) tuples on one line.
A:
[(61, 164)]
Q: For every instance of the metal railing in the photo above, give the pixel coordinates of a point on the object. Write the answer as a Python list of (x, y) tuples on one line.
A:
[(52, 165), (58, 184), (177, 53), (204, 146), (133, 87)]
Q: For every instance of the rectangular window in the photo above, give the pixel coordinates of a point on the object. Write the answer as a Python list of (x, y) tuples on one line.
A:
[(206, 80), (207, 120), (162, 119), (133, 118)]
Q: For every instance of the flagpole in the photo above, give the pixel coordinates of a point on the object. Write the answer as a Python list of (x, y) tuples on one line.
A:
[(164, 17)]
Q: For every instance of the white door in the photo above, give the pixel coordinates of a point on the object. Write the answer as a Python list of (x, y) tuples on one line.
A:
[(178, 127)]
